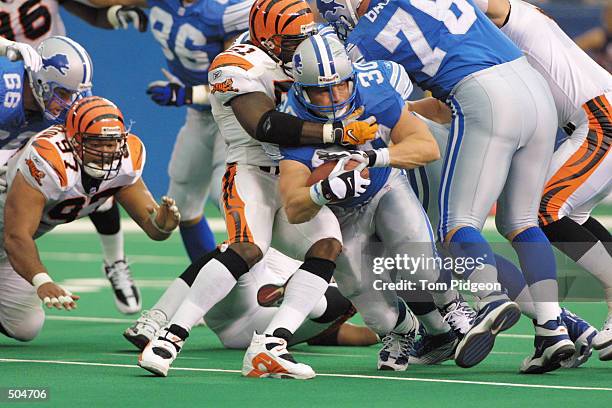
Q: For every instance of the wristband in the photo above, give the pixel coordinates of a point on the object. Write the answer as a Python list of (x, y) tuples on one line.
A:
[(199, 95), (379, 157), (156, 226), (40, 279), (328, 133), (316, 195)]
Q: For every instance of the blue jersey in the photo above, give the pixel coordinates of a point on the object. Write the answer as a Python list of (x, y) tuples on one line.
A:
[(381, 90), (438, 42), (191, 37), (16, 125)]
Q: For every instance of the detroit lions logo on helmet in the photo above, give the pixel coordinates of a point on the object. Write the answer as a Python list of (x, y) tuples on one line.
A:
[(57, 61), (329, 7), (297, 63)]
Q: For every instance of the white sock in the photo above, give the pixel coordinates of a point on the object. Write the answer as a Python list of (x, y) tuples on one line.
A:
[(545, 295), (112, 247), (598, 262), (409, 323), (433, 323), (303, 292), (525, 302), (172, 298), (213, 283), (319, 308)]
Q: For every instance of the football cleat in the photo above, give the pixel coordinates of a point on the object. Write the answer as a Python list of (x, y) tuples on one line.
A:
[(144, 329), (582, 334), (160, 353), (492, 319), (604, 337), (127, 295), (605, 354), (552, 345), (267, 356), (434, 348), (459, 315), (395, 353)]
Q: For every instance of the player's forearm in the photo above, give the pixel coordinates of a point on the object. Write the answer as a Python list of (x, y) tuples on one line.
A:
[(96, 17), (432, 109), (496, 10), (23, 254), (414, 152), (299, 207)]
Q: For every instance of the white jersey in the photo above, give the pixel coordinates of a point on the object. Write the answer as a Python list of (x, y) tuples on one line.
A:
[(48, 164), (573, 77), (30, 21), (242, 69)]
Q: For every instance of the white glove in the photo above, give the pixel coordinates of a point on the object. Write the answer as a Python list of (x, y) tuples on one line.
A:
[(31, 59), (3, 182), (340, 185), (123, 16)]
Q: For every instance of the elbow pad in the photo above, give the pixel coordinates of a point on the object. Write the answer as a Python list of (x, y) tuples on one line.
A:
[(279, 128)]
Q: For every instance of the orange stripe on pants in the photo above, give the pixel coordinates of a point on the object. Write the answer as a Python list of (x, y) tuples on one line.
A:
[(234, 208), (582, 164)]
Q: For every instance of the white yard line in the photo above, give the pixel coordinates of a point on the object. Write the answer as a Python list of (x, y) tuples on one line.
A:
[(356, 376)]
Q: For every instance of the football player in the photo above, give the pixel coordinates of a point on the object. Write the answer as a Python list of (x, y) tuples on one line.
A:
[(251, 305), (503, 115), (247, 82), (35, 100), (63, 173), (328, 87), (191, 33), (580, 175)]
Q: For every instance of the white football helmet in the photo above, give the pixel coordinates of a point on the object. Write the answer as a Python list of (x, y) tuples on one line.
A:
[(341, 14), (322, 62), (65, 76)]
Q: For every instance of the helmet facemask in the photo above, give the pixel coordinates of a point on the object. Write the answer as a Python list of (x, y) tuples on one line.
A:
[(334, 110), (100, 155), (55, 100)]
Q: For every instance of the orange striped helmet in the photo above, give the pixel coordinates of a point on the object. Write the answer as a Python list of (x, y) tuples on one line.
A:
[(279, 26), (96, 132)]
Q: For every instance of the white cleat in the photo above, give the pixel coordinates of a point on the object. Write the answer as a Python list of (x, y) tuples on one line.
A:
[(127, 295), (144, 329), (268, 357), (603, 340), (160, 353)]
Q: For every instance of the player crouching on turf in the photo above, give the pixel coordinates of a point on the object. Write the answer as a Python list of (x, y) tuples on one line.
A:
[(64, 173), (328, 87)]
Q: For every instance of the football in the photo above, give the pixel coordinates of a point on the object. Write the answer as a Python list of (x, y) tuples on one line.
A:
[(321, 172)]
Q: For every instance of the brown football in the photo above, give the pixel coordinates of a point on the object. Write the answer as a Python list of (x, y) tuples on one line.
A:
[(321, 172)]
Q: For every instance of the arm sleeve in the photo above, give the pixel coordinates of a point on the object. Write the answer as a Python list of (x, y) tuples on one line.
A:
[(235, 18)]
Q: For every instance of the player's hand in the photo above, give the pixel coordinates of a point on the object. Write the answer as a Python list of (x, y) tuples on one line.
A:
[(340, 185), (171, 92), (21, 51), (345, 154), (353, 132), (372, 157), (123, 16), (166, 217), (53, 295)]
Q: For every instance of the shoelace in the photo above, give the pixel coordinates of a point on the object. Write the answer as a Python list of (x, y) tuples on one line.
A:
[(402, 344), (460, 317), (119, 275), (149, 322)]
